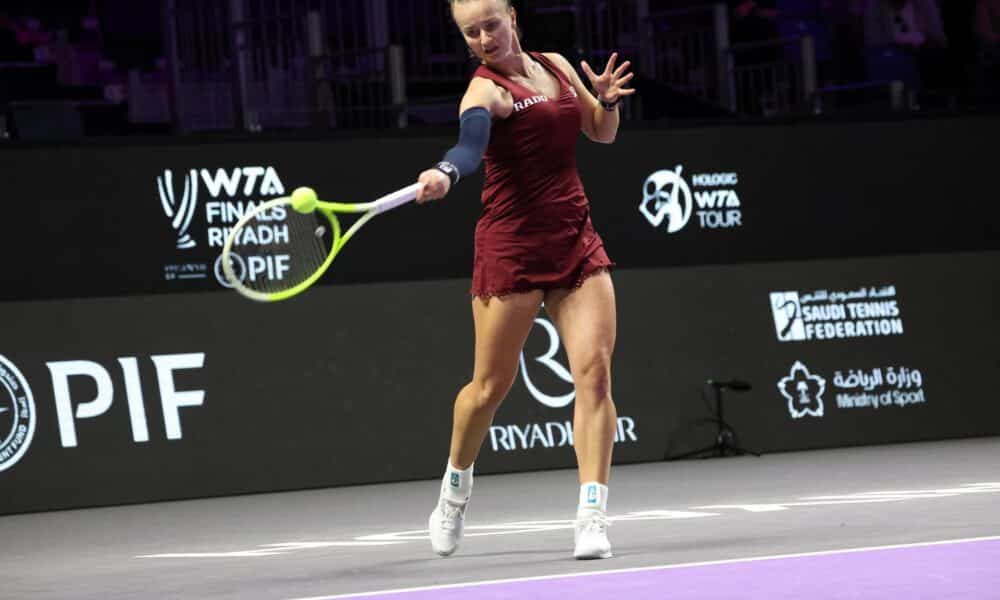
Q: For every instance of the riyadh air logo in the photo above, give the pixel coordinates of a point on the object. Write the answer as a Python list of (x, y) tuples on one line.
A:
[(179, 211), (804, 392), (548, 361), (17, 415), (521, 436), (666, 195)]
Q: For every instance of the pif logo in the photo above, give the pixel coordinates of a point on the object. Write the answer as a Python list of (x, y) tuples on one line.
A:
[(17, 414)]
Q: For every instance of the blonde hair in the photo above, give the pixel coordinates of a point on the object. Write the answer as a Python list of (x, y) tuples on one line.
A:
[(517, 28), (452, 3)]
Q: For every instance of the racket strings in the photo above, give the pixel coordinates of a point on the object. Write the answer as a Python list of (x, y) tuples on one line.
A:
[(295, 248)]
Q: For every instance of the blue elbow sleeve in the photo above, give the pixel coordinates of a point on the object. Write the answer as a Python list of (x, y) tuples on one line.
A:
[(473, 137)]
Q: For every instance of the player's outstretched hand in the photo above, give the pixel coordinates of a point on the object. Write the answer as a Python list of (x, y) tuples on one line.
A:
[(609, 85), (434, 185)]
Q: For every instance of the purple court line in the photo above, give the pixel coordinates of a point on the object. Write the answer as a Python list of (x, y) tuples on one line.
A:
[(963, 570)]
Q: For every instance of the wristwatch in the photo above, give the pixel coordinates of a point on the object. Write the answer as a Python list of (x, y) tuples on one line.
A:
[(610, 106), (448, 169)]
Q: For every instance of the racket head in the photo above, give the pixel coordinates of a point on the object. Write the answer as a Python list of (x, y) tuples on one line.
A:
[(275, 252)]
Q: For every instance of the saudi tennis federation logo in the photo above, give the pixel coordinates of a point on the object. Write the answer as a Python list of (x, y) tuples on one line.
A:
[(17, 415), (804, 392), (787, 311), (666, 195), (179, 211)]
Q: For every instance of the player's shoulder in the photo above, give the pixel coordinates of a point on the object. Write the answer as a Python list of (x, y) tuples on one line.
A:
[(563, 64), (479, 81), (555, 57), (483, 91), (559, 60), (483, 88)]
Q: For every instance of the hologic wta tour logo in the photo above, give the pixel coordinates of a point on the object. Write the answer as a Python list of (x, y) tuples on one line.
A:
[(539, 374), (667, 196), (227, 195), (17, 414), (822, 314)]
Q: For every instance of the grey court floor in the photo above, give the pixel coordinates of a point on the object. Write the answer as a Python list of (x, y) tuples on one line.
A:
[(371, 538)]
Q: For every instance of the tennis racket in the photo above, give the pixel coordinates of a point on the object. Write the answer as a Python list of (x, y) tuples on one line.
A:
[(280, 248)]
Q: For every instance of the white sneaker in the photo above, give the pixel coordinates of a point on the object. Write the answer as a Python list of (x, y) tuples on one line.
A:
[(446, 524), (591, 536)]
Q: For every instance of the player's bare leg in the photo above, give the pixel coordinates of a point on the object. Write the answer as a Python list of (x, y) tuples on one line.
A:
[(585, 318), (502, 325)]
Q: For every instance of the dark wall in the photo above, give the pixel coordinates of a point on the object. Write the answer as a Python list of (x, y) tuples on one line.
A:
[(803, 192), (354, 384), (127, 374)]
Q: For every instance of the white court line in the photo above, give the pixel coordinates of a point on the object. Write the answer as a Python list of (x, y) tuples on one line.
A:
[(654, 568)]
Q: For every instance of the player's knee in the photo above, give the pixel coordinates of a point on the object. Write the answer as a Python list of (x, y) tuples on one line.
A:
[(593, 378), (490, 392)]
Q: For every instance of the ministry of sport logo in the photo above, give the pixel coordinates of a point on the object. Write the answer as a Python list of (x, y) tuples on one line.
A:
[(804, 392), (880, 388), (221, 197), (17, 414), (712, 197), (822, 314)]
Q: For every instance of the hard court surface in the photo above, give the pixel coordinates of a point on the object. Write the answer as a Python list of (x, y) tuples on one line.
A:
[(903, 521)]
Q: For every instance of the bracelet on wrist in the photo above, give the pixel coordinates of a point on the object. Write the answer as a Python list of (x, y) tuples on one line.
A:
[(450, 170), (610, 106)]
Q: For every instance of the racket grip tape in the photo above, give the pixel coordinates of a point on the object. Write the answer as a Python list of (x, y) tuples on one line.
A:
[(397, 198)]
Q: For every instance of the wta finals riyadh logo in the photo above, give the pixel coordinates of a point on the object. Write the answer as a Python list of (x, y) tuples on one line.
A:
[(666, 195), (179, 212), (17, 415), (804, 392)]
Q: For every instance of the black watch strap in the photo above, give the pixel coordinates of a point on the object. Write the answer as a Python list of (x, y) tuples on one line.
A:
[(448, 169), (610, 106)]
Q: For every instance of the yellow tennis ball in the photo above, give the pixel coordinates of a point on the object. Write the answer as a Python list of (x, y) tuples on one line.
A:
[(304, 200)]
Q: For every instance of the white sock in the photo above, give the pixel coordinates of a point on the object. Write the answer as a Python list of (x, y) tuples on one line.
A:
[(593, 497), (457, 484)]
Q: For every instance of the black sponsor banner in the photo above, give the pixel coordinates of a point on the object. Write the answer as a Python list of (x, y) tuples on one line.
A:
[(115, 400), (103, 221)]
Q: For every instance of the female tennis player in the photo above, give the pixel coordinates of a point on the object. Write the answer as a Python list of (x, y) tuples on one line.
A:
[(534, 243)]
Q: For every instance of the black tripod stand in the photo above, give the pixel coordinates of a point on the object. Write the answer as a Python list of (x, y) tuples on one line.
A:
[(725, 438)]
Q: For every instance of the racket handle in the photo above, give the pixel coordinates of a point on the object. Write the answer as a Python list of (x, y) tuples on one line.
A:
[(397, 198)]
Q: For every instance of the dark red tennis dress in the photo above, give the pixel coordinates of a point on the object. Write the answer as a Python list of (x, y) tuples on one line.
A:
[(534, 231)]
